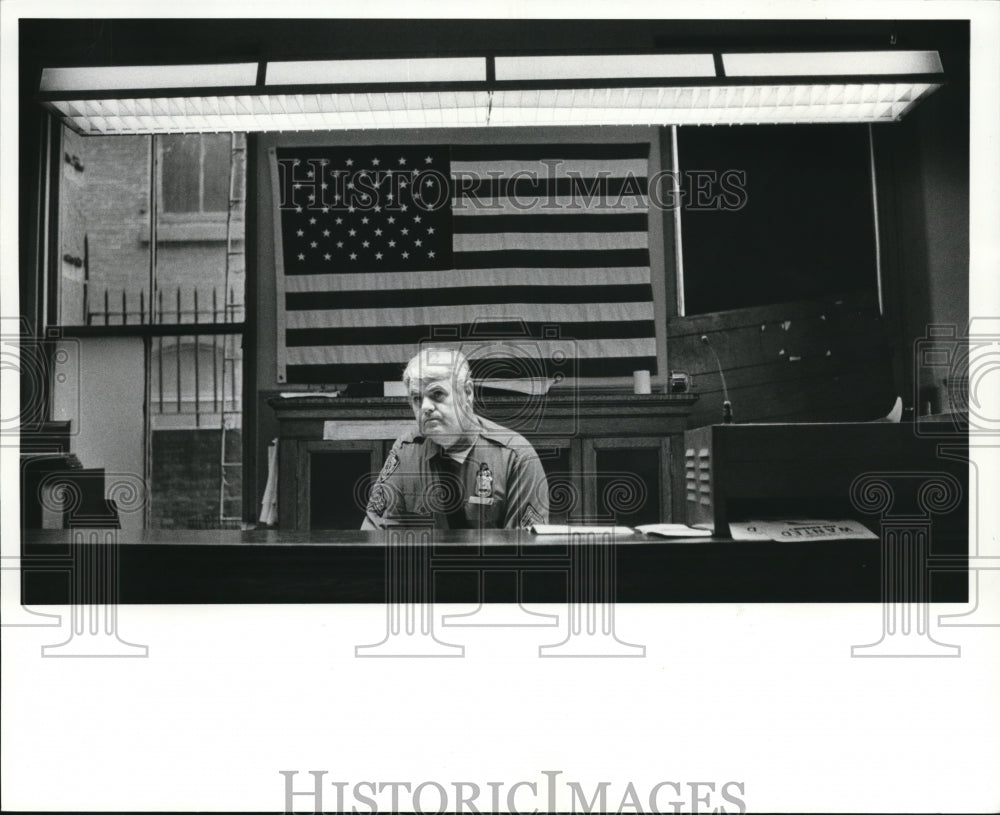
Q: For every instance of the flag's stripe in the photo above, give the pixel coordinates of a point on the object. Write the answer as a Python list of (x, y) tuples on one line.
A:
[(537, 152), (554, 221), (409, 335), (450, 315), (585, 168), (465, 295), (542, 259), (622, 275), (525, 187), (375, 354), (565, 241), (391, 372), (548, 205)]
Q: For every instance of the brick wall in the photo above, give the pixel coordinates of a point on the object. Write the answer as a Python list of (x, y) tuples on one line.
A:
[(185, 477), (107, 201)]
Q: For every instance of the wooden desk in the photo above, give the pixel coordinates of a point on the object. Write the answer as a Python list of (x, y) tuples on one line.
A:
[(582, 438), (208, 566)]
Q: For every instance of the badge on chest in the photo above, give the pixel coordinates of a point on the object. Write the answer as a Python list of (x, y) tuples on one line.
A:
[(484, 486)]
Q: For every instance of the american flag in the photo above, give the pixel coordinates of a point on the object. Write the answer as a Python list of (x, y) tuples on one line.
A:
[(382, 248)]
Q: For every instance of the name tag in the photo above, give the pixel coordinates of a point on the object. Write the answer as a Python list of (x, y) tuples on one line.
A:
[(475, 499)]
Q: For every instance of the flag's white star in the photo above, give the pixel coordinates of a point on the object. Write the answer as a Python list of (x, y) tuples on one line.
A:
[(310, 174), (405, 231), (403, 184), (340, 244), (327, 256), (375, 162), (416, 219), (406, 255), (364, 220), (430, 254), (430, 230), (298, 209), (365, 244), (429, 182), (378, 256), (391, 244), (325, 210), (349, 162), (339, 221), (428, 160), (354, 256), (418, 243), (351, 232), (301, 256), (312, 220), (378, 231), (350, 185), (300, 233), (378, 208), (392, 220), (313, 244), (326, 233), (402, 161), (403, 208)]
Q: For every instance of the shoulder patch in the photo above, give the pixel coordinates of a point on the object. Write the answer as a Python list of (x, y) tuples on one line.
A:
[(391, 463), (378, 500)]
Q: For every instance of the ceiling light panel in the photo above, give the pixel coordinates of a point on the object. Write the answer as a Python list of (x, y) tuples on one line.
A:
[(147, 77), (358, 71), (616, 66), (833, 63)]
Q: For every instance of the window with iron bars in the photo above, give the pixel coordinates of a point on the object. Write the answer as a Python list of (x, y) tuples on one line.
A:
[(151, 250)]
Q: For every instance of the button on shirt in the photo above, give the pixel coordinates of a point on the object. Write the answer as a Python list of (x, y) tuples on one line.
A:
[(496, 483)]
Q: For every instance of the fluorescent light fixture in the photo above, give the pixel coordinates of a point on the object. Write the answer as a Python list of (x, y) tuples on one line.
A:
[(617, 66), (833, 63), (650, 89), (733, 104), (358, 71), (303, 111), (148, 77)]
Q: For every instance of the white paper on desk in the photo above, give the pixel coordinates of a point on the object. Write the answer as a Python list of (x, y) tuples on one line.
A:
[(674, 531), (531, 387), (820, 530), (565, 529), (309, 394)]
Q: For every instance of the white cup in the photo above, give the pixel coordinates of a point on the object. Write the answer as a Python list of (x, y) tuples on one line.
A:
[(640, 382)]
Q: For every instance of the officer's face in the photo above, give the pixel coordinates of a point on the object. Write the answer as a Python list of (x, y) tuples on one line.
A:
[(443, 409)]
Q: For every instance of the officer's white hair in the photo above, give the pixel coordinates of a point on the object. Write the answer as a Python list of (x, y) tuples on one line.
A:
[(438, 363)]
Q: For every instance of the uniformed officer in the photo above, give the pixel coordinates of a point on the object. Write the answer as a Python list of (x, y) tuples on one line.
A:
[(458, 468)]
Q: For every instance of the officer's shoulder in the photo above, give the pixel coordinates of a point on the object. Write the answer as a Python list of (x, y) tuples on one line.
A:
[(503, 437), (410, 440)]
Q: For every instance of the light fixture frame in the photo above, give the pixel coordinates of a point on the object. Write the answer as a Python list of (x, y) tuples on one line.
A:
[(490, 85)]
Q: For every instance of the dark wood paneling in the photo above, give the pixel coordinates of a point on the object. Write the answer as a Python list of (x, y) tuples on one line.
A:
[(818, 360)]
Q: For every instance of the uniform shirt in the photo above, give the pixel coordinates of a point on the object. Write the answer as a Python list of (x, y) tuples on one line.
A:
[(497, 483)]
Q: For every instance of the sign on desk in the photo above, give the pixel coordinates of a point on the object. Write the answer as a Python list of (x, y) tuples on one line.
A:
[(823, 530)]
